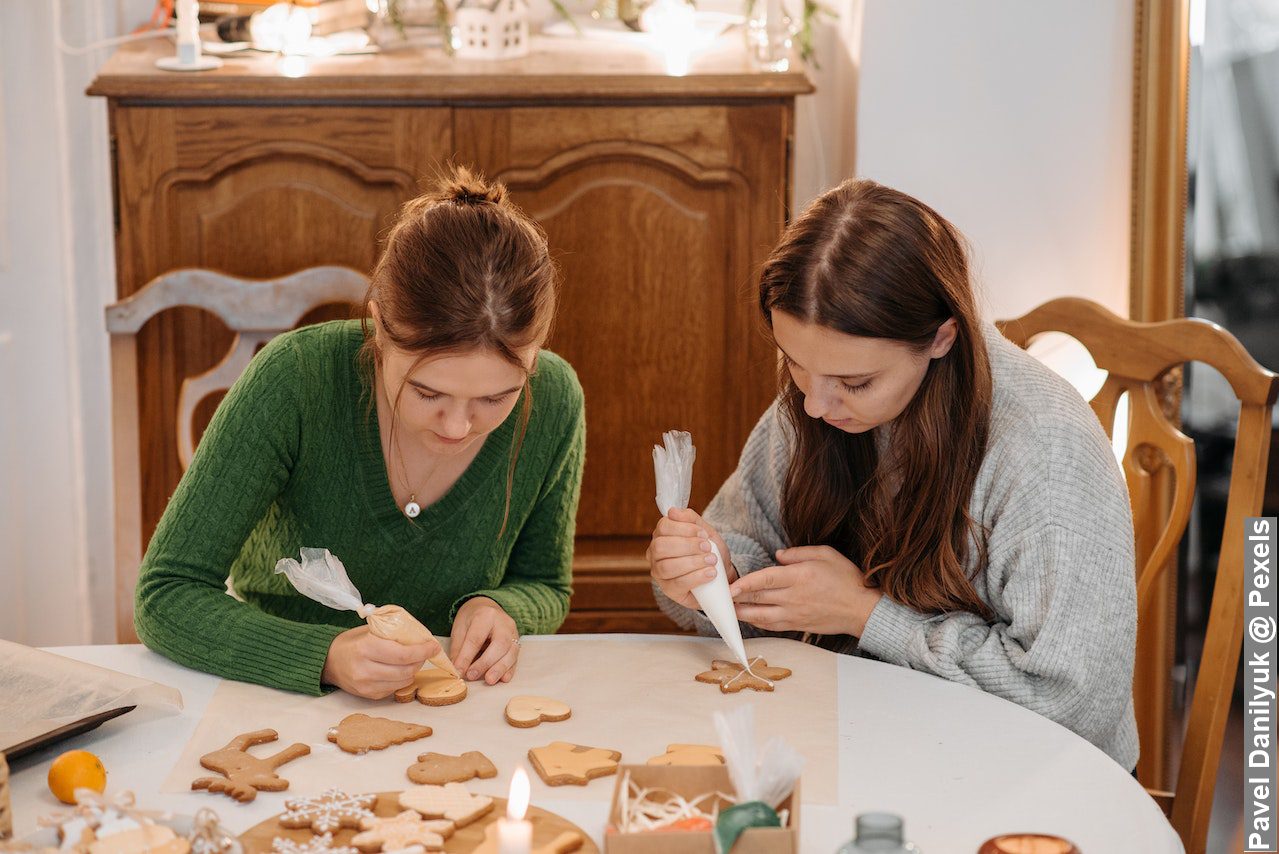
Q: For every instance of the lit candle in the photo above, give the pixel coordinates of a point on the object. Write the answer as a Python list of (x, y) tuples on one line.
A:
[(514, 834)]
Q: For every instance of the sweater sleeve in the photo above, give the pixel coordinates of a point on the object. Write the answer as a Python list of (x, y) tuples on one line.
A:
[(1064, 647), (242, 464), (746, 513), (538, 582)]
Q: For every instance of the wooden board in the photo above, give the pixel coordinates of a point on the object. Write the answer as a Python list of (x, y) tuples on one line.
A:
[(546, 826)]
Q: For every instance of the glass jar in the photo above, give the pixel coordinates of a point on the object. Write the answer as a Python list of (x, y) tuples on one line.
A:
[(878, 833)]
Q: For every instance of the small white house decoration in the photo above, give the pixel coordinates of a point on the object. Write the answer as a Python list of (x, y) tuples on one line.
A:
[(491, 30)]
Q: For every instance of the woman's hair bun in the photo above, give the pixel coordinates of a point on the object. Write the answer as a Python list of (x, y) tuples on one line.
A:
[(464, 187)]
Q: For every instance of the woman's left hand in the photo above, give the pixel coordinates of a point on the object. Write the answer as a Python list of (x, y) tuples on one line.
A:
[(814, 589), (485, 642)]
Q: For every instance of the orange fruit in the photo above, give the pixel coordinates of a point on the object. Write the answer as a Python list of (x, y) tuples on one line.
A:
[(76, 769)]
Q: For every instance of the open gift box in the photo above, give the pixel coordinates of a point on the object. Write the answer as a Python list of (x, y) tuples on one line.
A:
[(691, 782)]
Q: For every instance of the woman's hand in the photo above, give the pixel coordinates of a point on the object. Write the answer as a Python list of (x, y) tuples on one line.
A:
[(679, 556), (363, 664), (815, 589), (486, 643)]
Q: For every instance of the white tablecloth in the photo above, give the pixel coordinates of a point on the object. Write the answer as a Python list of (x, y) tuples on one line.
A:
[(959, 765)]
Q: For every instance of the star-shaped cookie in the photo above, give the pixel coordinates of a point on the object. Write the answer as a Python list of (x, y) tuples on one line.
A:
[(732, 677), (401, 831)]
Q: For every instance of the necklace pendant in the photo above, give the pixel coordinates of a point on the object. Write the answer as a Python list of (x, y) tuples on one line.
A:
[(412, 509)]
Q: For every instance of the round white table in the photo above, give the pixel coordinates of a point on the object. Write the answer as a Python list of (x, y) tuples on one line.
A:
[(958, 764)]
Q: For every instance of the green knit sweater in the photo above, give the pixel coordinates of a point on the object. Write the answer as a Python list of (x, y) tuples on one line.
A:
[(293, 458)]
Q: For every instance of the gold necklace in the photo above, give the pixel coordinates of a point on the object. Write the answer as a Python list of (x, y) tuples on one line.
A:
[(411, 508)]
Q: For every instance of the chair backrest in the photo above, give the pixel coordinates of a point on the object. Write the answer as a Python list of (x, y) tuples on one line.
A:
[(255, 310), (1138, 357)]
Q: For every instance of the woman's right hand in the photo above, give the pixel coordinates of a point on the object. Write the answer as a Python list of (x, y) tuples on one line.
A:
[(680, 558), (363, 664)]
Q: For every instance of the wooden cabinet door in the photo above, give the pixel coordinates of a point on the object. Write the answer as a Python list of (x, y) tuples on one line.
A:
[(659, 218), (255, 192)]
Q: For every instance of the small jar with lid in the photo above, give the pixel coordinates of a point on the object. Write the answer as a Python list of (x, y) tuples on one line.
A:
[(879, 833)]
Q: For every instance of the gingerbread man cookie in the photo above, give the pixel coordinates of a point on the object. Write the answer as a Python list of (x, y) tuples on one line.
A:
[(452, 801), (436, 769), (732, 677), (329, 812), (402, 831), (527, 712), (689, 754), (564, 764), (360, 733), (433, 687), (244, 775)]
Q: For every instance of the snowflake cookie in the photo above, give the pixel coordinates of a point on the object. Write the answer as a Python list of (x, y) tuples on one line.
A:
[(321, 844), (328, 812)]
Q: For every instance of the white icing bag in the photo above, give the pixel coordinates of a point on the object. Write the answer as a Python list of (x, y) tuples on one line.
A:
[(673, 468)]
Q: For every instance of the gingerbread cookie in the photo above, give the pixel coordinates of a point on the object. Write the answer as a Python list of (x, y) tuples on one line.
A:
[(452, 801), (436, 769), (433, 687), (566, 843), (402, 831), (141, 840), (245, 775), (564, 764), (689, 754), (530, 711), (361, 733), (319, 844), (732, 677), (329, 812)]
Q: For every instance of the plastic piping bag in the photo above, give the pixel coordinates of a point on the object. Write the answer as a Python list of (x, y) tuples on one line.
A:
[(673, 468), (322, 577)]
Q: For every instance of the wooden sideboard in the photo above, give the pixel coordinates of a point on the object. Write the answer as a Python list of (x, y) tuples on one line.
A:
[(660, 195)]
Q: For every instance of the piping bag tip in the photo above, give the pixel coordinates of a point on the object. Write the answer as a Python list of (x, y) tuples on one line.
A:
[(442, 662), (717, 604)]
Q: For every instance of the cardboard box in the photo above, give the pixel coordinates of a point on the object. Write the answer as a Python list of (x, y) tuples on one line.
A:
[(689, 782)]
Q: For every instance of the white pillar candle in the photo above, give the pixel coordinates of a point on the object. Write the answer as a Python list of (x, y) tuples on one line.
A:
[(188, 31), (514, 834)]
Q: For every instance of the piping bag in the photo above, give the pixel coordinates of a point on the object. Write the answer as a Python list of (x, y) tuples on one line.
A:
[(322, 577), (673, 468)]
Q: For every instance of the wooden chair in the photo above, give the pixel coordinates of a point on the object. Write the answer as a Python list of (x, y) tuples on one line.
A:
[(255, 311), (1137, 356)]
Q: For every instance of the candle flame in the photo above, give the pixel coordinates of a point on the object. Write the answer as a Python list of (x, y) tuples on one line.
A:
[(517, 804)]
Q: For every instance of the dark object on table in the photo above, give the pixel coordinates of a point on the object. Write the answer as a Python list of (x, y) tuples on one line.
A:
[(234, 28), (55, 735)]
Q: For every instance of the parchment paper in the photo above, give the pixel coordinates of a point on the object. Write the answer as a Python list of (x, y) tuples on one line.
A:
[(42, 691), (631, 693)]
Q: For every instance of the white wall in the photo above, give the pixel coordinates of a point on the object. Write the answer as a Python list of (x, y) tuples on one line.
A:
[(56, 273), (1011, 118)]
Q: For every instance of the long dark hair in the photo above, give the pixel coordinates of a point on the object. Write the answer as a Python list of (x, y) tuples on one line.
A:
[(464, 269), (870, 261)]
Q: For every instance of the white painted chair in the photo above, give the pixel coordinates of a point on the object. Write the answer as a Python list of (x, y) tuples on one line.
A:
[(255, 310)]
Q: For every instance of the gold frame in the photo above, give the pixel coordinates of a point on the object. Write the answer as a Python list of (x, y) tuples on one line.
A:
[(1161, 54)]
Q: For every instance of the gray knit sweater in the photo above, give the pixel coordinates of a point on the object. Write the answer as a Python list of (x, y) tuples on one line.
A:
[(1059, 575)]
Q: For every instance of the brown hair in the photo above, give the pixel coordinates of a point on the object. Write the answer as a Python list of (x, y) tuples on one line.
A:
[(870, 261), (463, 269)]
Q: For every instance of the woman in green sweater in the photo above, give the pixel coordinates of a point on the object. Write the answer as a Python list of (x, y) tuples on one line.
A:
[(434, 448)]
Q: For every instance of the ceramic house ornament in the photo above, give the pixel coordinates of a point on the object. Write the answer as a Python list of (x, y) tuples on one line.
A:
[(491, 29)]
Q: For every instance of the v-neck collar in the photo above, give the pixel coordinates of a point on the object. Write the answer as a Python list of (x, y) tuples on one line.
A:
[(492, 459)]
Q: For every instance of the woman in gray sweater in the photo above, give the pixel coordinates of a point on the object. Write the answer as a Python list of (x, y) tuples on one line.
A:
[(922, 491)]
